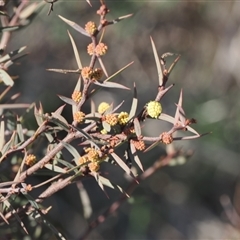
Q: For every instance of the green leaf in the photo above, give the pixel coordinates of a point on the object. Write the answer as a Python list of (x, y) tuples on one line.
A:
[(38, 215), (20, 131), (20, 170), (134, 103), (110, 184), (173, 64), (180, 101), (60, 109), (102, 66), (159, 69), (67, 100), (170, 119), (60, 121), (29, 198), (96, 176), (109, 78), (110, 85), (85, 200), (75, 51), (75, 26), (67, 164), (135, 156), (9, 144), (119, 71), (121, 163), (54, 168), (73, 151), (39, 115), (78, 85), (6, 78), (106, 126), (86, 135), (137, 127)]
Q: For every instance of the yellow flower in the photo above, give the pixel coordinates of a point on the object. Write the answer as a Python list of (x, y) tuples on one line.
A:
[(103, 106), (111, 119), (90, 28), (166, 138), (83, 160), (78, 116), (90, 49), (94, 166), (30, 160), (87, 72), (154, 109), (123, 118), (139, 144), (101, 49), (92, 154), (76, 96)]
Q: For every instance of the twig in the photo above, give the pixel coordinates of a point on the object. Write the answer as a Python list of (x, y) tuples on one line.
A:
[(114, 207)]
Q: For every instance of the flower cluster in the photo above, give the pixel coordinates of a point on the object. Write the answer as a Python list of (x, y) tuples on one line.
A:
[(91, 28), (123, 118), (89, 73), (166, 138), (78, 116), (111, 119), (92, 158), (102, 107), (30, 160), (100, 49), (76, 96), (154, 109), (139, 144)]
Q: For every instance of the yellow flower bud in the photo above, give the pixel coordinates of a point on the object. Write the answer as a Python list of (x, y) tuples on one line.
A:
[(154, 109)]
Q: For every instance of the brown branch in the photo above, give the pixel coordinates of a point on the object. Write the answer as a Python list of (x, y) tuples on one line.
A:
[(4, 19), (55, 187), (114, 207)]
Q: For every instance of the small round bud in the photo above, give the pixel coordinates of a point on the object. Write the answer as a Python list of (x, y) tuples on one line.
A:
[(87, 72), (30, 160), (76, 96), (123, 118), (90, 49), (111, 119), (139, 144), (94, 166), (166, 138), (103, 106), (97, 74), (78, 116), (90, 28), (101, 49)]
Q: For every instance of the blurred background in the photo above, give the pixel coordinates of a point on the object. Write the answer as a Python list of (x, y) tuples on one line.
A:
[(196, 200)]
